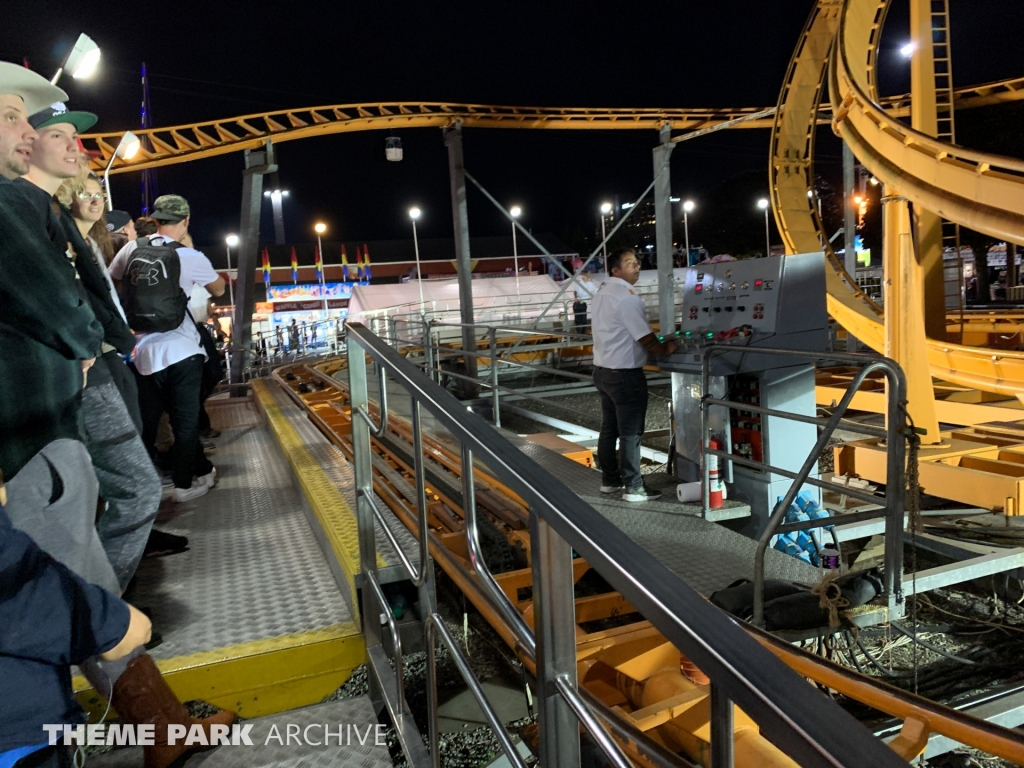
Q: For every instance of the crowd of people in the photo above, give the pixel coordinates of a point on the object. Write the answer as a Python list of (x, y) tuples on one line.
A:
[(102, 365)]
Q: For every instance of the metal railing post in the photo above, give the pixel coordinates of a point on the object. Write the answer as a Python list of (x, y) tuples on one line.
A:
[(896, 464), (494, 375), (721, 728), (555, 632), (360, 398)]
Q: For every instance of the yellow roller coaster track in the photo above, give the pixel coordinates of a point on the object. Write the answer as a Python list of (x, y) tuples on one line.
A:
[(981, 191), (984, 192), (181, 143)]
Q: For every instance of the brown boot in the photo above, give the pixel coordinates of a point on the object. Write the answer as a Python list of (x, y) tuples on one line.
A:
[(142, 696)]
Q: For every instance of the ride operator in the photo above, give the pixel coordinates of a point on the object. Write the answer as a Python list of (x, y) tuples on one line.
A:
[(622, 339)]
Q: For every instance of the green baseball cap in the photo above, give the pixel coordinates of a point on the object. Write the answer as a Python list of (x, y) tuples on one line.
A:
[(170, 208), (58, 112)]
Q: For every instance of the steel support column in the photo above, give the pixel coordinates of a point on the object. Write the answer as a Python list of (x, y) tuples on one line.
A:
[(555, 630), (258, 163), (663, 229), (460, 219), (904, 314)]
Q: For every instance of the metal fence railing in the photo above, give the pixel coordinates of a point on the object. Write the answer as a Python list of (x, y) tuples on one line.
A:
[(891, 507), (812, 729)]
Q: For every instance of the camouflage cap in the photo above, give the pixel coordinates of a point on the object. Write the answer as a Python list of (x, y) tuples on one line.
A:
[(170, 208)]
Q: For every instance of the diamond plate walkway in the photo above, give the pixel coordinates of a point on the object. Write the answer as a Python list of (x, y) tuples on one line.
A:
[(705, 555), (252, 617)]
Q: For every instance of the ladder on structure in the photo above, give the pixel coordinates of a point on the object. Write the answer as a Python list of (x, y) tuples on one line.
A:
[(942, 55)]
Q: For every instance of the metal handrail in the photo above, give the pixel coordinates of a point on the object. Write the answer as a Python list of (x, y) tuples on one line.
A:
[(810, 728), (895, 435)]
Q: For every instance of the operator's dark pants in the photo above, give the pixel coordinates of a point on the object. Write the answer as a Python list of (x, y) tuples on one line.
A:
[(623, 416), (175, 390)]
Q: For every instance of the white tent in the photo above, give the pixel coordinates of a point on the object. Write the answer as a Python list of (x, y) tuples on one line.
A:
[(496, 301)]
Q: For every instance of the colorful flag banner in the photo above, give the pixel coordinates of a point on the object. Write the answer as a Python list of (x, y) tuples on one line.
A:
[(344, 264), (366, 256), (295, 267), (266, 268), (318, 262), (359, 265)]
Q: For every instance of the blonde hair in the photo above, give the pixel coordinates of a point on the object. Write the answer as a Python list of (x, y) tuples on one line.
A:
[(66, 194), (71, 187)]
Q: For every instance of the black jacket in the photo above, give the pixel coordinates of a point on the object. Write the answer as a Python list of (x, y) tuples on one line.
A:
[(51, 619), (61, 228), (46, 329)]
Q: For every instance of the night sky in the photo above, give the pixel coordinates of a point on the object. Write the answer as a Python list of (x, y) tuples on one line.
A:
[(214, 60)]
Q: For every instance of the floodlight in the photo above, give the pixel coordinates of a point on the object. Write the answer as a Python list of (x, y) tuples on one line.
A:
[(319, 227), (688, 206), (763, 204), (907, 51), (515, 211), (606, 208), (231, 240), (414, 213), (82, 61)]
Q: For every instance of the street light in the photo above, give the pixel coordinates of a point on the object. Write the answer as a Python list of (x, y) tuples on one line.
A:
[(515, 212), (688, 207), (127, 148), (82, 61), (414, 214), (231, 241), (763, 204), (606, 208), (320, 228), (907, 51)]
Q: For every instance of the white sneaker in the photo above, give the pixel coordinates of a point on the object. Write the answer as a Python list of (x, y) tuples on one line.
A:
[(199, 488), (209, 479)]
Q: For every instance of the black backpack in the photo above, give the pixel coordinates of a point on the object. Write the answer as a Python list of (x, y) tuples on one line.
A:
[(150, 291)]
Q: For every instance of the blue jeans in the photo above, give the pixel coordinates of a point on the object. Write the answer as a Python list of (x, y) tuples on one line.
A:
[(623, 416)]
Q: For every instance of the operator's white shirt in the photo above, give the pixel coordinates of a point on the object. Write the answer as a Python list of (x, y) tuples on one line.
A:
[(619, 319), (156, 351)]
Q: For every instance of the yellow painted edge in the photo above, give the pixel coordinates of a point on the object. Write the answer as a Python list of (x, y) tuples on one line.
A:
[(259, 677), (337, 519)]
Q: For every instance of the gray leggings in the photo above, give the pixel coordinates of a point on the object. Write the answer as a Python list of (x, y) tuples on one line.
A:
[(66, 528)]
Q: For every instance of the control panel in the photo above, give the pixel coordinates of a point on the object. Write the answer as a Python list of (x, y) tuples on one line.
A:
[(718, 297), (773, 302)]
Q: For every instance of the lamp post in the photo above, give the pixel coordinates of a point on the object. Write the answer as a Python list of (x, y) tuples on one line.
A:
[(320, 228), (414, 213), (231, 241), (128, 147), (606, 208), (515, 212), (81, 61), (688, 206), (763, 205)]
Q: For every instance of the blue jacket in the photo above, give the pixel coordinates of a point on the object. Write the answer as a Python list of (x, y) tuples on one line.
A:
[(49, 620)]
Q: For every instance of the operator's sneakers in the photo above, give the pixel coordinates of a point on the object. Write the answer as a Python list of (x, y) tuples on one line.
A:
[(641, 493), (209, 479), (612, 488), (198, 488)]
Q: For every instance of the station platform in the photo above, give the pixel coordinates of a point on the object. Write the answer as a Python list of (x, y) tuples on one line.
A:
[(253, 617), (704, 554)]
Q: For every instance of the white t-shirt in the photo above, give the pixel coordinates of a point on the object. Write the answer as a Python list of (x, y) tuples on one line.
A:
[(619, 319), (156, 351)]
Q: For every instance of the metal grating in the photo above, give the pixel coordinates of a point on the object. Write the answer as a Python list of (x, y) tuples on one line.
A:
[(254, 570), (340, 473), (705, 555)]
